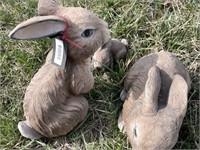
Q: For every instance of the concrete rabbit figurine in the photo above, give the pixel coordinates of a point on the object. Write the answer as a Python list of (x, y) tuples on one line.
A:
[(112, 50), (53, 102), (155, 101)]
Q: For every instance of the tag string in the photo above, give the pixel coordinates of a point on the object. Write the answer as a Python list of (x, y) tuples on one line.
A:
[(64, 36)]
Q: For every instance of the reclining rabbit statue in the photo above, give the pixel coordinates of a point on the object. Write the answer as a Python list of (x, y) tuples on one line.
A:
[(155, 101), (54, 103)]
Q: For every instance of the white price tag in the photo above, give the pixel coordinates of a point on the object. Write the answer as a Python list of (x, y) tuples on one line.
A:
[(59, 53)]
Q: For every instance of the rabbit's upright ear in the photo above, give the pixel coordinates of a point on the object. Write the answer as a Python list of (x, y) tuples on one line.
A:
[(152, 90), (178, 93), (38, 27)]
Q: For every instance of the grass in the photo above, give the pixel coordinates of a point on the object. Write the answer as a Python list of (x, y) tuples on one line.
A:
[(149, 26)]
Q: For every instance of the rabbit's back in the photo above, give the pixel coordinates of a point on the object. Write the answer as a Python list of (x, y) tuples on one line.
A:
[(50, 106), (137, 76), (168, 64)]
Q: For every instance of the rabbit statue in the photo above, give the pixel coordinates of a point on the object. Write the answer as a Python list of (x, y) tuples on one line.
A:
[(54, 103), (155, 101), (112, 50)]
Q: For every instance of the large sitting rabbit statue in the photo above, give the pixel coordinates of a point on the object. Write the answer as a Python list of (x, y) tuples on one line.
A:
[(155, 101), (54, 103)]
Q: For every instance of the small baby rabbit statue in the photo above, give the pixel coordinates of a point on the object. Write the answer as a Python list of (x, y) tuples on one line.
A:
[(54, 102), (112, 50), (155, 101)]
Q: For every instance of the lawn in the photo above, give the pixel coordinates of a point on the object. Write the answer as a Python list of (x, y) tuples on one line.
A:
[(149, 26)]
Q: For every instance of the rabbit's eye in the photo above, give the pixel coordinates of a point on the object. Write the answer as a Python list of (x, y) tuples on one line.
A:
[(87, 33)]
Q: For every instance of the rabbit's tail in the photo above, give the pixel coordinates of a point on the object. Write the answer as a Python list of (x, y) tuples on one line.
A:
[(61, 118)]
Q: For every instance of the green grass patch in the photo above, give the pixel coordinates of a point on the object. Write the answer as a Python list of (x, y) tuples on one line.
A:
[(149, 26)]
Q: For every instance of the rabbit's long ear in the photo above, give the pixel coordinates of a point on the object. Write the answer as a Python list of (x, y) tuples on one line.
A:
[(152, 89), (38, 27), (178, 95)]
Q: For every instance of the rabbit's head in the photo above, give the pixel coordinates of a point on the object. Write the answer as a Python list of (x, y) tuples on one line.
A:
[(154, 126), (84, 32), (112, 50), (103, 56)]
